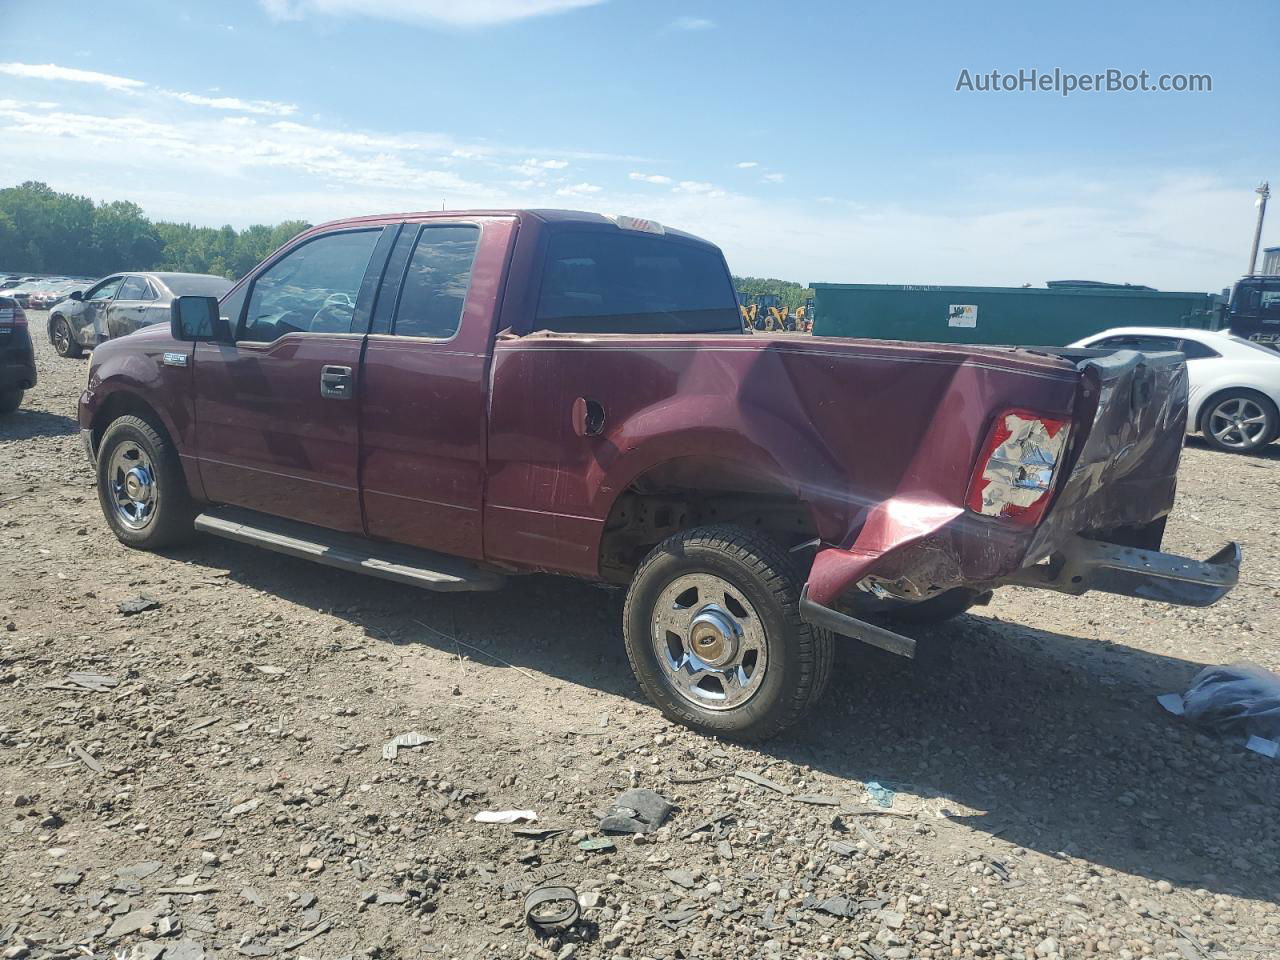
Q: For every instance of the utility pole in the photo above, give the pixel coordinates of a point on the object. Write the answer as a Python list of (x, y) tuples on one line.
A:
[(1263, 191)]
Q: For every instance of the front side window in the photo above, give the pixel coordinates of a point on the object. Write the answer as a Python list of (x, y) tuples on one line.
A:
[(312, 289), (602, 281), (105, 290), (133, 288), (1270, 300), (435, 283)]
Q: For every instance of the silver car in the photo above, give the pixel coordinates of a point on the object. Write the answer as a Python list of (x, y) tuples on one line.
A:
[(120, 304)]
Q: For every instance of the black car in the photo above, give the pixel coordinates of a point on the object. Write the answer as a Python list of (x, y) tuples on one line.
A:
[(122, 303), (17, 358)]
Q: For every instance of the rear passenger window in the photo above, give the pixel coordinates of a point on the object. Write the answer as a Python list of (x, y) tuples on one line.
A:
[(1195, 350), (435, 283), (132, 289)]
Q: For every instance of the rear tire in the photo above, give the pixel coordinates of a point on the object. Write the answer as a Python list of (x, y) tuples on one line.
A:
[(1239, 421), (141, 487), (945, 606), (713, 632), (10, 400), (64, 342)]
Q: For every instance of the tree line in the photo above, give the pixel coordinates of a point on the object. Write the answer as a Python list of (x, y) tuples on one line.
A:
[(44, 231), (790, 293)]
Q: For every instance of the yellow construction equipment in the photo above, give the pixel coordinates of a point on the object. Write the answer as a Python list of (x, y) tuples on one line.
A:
[(766, 312)]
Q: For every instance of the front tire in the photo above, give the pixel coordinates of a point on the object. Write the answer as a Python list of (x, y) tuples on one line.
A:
[(713, 631), (1239, 421), (141, 487), (64, 342)]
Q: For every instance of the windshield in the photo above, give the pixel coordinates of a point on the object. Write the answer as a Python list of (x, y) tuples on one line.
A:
[(601, 281), (197, 286)]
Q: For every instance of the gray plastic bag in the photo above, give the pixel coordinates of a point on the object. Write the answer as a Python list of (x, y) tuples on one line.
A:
[(1240, 701)]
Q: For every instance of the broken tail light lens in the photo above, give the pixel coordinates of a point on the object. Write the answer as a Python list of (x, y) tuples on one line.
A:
[(1013, 478)]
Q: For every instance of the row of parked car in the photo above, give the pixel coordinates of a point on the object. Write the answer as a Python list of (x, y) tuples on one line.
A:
[(40, 293)]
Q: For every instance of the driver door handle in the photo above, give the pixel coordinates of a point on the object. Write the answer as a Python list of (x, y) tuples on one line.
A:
[(335, 382)]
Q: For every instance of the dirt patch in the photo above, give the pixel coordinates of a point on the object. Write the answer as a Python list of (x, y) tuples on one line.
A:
[(205, 778)]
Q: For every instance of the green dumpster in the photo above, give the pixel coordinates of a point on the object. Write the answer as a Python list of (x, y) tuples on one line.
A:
[(1028, 316)]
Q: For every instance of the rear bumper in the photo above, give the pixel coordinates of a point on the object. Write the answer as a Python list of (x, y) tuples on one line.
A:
[(1082, 565), (19, 375)]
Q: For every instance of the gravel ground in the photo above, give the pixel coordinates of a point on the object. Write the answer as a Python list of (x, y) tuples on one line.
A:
[(223, 792)]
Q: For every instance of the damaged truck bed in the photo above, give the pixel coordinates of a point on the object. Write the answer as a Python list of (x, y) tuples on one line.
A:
[(1098, 499), (451, 399)]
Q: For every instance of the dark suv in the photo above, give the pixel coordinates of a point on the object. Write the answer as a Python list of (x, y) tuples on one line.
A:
[(17, 359)]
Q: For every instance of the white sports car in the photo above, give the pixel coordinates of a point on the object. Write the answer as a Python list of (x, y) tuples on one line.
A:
[(1234, 384)]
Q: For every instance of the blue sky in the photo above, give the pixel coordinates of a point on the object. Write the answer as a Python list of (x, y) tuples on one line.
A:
[(814, 140)]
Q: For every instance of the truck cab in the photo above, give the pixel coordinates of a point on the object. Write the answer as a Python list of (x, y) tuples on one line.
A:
[(1253, 311)]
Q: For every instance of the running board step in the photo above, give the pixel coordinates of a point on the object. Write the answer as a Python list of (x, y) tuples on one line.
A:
[(390, 561)]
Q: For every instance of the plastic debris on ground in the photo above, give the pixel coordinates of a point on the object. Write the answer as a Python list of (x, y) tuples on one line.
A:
[(137, 604), (880, 794), (505, 816), (1240, 702), (404, 741), (636, 811)]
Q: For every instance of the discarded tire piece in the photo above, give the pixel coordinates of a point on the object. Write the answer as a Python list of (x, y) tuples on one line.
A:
[(551, 908)]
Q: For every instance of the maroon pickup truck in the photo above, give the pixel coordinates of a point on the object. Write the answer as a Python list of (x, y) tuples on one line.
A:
[(450, 399)]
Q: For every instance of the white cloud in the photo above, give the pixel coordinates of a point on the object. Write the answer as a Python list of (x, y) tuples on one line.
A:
[(268, 107), (747, 164), (774, 177), (650, 178), (51, 71), (1171, 228), (537, 169), (579, 190), (691, 23), (699, 188), (457, 13)]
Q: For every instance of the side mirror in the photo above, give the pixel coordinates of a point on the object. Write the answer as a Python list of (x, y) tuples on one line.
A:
[(77, 294), (197, 318)]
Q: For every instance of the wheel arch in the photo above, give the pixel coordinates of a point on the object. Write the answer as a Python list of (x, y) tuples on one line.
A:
[(53, 318), (124, 402), (1218, 392), (683, 492)]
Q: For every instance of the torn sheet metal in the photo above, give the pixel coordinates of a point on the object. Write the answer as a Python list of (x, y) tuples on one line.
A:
[(1118, 473)]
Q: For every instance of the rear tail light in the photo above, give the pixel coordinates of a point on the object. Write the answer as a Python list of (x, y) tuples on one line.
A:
[(12, 316), (1015, 472)]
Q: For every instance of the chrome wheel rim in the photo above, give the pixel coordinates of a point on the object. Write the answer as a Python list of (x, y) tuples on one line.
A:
[(1239, 423), (709, 641), (132, 479), (61, 338)]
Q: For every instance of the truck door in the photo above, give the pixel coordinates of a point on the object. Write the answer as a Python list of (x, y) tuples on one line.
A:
[(276, 412), (424, 384)]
